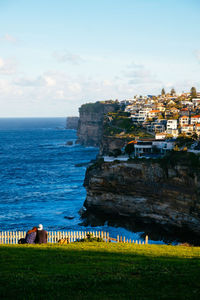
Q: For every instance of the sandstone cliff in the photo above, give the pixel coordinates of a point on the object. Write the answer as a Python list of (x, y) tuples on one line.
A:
[(147, 192), (109, 143), (72, 123), (90, 127)]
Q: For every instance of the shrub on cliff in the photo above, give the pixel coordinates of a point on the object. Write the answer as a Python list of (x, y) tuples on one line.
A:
[(115, 153), (98, 106), (175, 158), (129, 148)]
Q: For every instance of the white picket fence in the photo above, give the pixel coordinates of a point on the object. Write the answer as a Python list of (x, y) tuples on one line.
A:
[(12, 237)]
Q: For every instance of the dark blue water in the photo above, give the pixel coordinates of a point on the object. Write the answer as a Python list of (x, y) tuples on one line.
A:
[(39, 179)]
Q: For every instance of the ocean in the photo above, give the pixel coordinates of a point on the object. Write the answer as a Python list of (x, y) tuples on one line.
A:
[(41, 177)]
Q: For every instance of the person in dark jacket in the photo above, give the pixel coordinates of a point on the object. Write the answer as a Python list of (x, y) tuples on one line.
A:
[(41, 237), (30, 237)]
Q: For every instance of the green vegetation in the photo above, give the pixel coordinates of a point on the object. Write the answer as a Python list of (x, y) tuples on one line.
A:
[(120, 125), (95, 164), (184, 141), (98, 106), (185, 158), (172, 159), (163, 92), (129, 148), (99, 271), (173, 92), (90, 238), (193, 92)]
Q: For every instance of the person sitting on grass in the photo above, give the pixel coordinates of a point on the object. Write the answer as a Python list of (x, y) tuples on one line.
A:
[(30, 237), (41, 237)]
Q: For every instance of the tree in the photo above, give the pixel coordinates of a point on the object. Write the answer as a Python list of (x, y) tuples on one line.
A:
[(193, 92), (129, 148), (195, 136), (163, 92), (173, 92), (116, 152)]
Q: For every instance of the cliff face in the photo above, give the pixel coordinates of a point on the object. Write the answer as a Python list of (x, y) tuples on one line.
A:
[(90, 127), (109, 144), (146, 192), (72, 123)]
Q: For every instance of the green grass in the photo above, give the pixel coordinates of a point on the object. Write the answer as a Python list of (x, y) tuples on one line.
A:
[(99, 271)]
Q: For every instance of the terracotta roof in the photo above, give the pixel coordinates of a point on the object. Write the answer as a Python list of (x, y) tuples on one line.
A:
[(132, 142), (183, 117), (184, 109), (162, 133), (197, 116), (154, 111)]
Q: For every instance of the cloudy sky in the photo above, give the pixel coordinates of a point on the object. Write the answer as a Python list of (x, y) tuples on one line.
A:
[(57, 54)]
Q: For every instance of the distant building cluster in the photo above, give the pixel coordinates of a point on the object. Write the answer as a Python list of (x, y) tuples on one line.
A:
[(167, 115)]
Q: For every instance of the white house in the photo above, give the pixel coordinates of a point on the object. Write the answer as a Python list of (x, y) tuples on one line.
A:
[(196, 101), (140, 116), (172, 127), (187, 129), (184, 120), (160, 135), (195, 119), (163, 145), (143, 147), (153, 113)]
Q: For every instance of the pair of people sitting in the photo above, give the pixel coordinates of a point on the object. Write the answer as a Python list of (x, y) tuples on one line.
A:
[(35, 236)]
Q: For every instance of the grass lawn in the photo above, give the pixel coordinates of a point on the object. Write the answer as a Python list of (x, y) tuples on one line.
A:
[(99, 271)]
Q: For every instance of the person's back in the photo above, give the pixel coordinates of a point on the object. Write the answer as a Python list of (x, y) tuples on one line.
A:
[(41, 237), (31, 236)]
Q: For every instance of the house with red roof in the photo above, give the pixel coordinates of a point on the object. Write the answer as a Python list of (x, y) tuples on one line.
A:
[(195, 119), (187, 129), (184, 120)]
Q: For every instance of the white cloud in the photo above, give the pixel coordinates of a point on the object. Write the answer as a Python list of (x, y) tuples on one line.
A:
[(30, 82), (7, 67), (197, 55), (9, 38), (66, 56), (56, 93), (139, 74), (49, 81)]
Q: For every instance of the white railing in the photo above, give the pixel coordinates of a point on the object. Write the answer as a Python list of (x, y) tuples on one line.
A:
[(12, 237)]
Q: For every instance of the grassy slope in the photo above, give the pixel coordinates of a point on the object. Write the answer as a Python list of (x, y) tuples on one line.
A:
[(99, 271)]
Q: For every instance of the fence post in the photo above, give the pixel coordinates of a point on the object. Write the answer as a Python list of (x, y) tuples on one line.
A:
[(146, 239), (108, 237)]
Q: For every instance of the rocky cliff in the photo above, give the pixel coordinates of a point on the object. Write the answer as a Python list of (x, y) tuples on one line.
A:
[(110, 143), (147, 192), (72, 123), (90, 127)]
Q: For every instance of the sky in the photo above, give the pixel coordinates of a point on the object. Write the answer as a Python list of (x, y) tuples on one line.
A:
[(58, 54)]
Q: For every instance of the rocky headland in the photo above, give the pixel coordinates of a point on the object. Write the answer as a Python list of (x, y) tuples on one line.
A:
[(90, 127), (160, 197), (72, 123), (136, 193)]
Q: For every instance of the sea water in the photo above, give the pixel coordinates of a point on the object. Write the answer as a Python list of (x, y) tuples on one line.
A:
[(41, 177)]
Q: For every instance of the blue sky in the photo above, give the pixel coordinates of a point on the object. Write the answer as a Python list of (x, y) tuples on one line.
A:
[(56, 55)]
